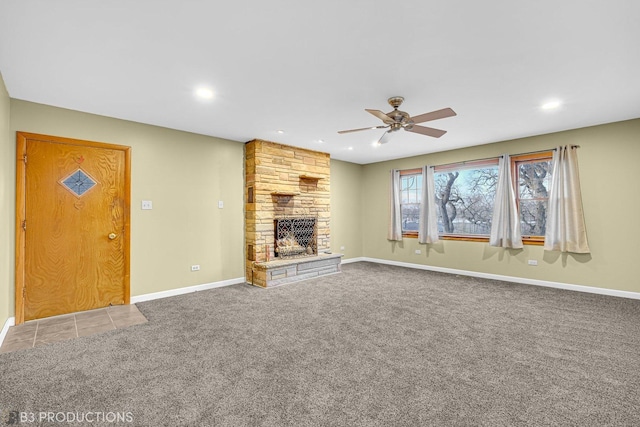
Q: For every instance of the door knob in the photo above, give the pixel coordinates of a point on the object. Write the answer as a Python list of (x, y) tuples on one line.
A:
[(112, 236)]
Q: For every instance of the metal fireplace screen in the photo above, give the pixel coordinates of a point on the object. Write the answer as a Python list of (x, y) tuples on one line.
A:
[(295, 237)]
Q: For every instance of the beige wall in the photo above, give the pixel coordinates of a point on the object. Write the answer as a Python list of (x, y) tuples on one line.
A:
[(7, 212), (186, 174), (608, 159), (183, 174), (346, 208)]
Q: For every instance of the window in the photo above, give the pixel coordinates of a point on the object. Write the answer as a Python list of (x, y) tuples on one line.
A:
[(410, 199), (532, 177), (465, 194), (464, 198)]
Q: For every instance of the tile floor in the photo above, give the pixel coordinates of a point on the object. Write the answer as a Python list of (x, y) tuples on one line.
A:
[(58, 328)]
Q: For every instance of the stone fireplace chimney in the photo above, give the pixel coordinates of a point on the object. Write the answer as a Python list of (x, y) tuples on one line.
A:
[(292, 185)]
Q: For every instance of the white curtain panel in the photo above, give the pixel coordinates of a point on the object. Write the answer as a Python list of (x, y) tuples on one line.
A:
[(428, 221), (395, 217), (566, 230), (505, 225)]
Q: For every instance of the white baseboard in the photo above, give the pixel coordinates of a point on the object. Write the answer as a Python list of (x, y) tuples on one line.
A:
[(350, 260), (9, 323), (187, 290), (536, 282)]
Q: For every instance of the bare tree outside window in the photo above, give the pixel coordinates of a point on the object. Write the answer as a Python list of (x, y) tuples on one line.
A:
[(534, 178), (465, 199)]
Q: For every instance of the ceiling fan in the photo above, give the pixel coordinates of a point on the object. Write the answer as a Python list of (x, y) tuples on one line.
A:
[(396, 120)]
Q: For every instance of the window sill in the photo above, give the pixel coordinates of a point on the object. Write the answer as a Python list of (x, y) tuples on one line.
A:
[(533, 241), (466, 238), (451, 237)]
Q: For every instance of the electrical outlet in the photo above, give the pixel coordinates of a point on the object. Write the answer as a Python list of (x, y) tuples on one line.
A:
[(147, 204), (195, 267), (342, 248), (418, 251), (533, 262)]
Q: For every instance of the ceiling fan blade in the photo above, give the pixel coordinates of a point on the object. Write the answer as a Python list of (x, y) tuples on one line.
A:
[(434, 115), (436, 133), (382, 116), (358, 130), (386, 137)]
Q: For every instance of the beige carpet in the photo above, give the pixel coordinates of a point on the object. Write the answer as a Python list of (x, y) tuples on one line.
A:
[(375, 345)]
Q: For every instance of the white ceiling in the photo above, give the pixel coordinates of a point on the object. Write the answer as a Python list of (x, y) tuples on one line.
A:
[(310, 68)]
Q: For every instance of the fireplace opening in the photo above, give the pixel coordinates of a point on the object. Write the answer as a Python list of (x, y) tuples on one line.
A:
[(295, 237)]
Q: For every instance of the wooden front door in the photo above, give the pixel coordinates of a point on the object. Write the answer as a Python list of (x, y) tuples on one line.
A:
[(72, 231)]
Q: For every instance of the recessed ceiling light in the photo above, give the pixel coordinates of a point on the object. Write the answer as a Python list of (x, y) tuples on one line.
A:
[(350, 148), (204, 93), (551, 105), (280, 131), (321, 141)]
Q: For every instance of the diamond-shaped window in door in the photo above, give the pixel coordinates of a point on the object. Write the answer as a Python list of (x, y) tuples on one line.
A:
[(78, 182)]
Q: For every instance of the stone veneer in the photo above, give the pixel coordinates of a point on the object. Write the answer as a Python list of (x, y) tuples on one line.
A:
[(283, 181)]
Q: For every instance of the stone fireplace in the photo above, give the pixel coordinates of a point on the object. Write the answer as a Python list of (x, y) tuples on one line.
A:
[(287, 214)]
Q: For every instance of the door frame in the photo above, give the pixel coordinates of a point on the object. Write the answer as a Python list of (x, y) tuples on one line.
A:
[(21, 175)]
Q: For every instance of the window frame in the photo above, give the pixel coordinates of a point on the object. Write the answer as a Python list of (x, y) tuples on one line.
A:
[(516, 161), (405, 172), (471, 164)]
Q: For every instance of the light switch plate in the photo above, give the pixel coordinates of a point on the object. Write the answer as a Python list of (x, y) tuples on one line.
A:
[(220, 204)]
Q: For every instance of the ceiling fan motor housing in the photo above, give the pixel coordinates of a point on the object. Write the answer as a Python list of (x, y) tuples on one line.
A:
[(401, 119)]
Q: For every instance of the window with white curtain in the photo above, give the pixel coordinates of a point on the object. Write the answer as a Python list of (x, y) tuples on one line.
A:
[(465, 192), (410, 199)]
